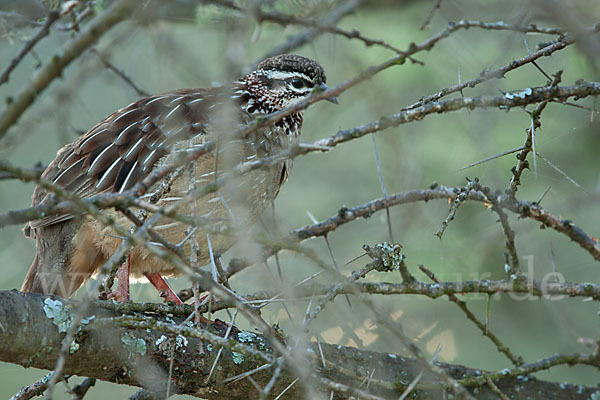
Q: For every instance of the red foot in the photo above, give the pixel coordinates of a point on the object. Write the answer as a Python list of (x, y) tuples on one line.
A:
[(163, 288), (122, 293)]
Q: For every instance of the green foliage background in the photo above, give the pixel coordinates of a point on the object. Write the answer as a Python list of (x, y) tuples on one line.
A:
[(192, 50)]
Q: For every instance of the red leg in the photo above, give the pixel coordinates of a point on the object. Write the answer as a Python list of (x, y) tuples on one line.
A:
[(163, 287), (122, 293)]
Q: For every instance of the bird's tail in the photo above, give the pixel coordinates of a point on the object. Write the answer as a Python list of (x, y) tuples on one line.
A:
[(51, 280), (31, 281)]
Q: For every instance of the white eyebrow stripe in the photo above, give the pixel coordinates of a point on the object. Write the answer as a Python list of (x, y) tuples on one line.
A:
[(283, 75), (107, 172), (129, 175), (99, 157)]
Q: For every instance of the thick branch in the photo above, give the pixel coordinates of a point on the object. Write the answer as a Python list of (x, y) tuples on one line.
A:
[(106, 349)]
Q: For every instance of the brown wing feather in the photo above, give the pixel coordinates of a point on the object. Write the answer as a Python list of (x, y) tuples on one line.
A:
[(124, 147)]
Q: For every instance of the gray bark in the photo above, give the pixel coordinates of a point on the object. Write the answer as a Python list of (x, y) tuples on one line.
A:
[(30, 335)]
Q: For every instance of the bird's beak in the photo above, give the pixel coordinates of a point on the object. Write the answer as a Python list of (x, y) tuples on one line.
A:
[(333, 100)]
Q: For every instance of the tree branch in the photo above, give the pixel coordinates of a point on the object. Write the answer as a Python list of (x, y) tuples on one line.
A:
[(69, 52), (137, 351), (51, 18)]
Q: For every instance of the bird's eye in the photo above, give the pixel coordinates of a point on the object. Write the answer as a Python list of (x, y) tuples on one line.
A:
[(297, 83)]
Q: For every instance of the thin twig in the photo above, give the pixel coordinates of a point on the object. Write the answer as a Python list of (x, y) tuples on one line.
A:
[(460, 198), (54, 68), (434, 7), (289, 19), (502, 71), (311, 33), (288, 387), (529, 145), (516, 360), (51, 18), (221, 348), (121, 74), (382, 251), (529, 368), (494, 388)]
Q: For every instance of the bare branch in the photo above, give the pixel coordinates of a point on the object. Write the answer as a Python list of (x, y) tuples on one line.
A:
[(516, 360), (51, 18), (500, 72), (120, 74), (434, 7), (508, 101), (137, 341), (311, 33), (53, 69)]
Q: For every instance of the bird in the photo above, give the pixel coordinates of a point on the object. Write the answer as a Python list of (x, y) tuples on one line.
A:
[(150, 133)]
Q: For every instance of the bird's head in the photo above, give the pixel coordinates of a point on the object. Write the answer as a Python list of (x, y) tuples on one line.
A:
[(281, 81)]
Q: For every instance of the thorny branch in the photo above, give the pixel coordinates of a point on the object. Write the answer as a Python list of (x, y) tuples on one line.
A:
[(516, 285), (516, 360), (523, 208), (508, 101), (502, 71)]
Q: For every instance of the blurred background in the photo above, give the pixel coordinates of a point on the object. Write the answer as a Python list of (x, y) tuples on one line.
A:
[(189, 44)]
